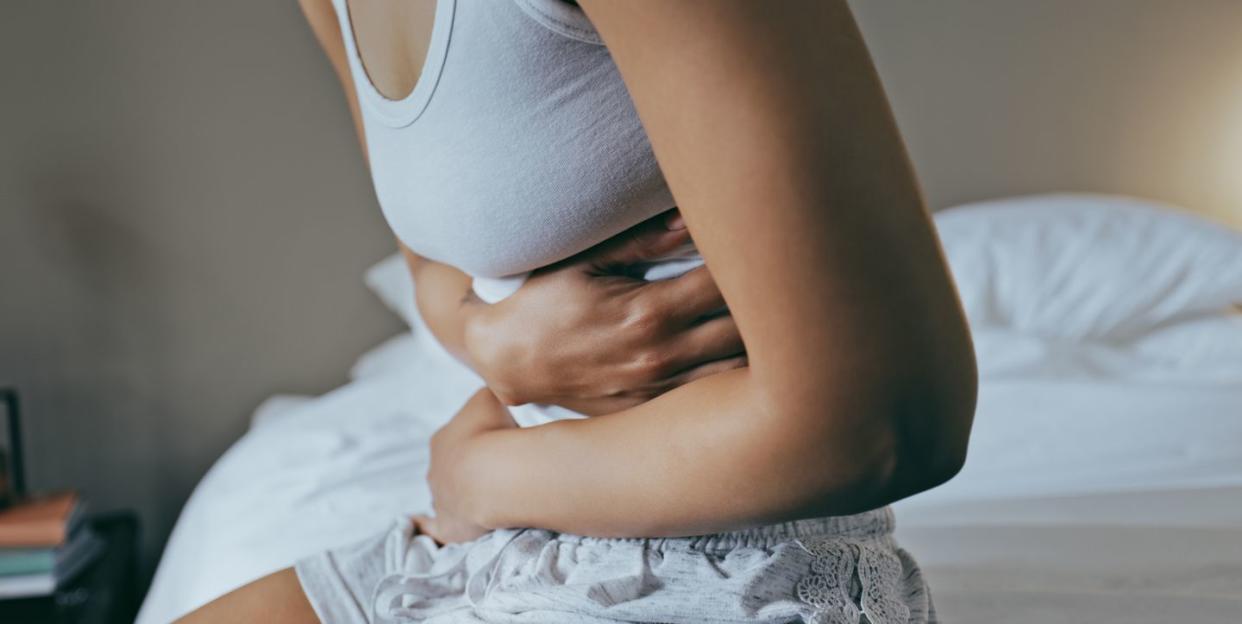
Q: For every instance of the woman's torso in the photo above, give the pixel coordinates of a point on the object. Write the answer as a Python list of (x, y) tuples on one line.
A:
[(516, 146)]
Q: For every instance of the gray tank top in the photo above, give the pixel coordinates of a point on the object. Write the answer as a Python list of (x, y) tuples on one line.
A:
[(519, 144)]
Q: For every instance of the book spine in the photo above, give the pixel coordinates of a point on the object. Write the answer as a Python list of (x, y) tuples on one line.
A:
[(26, 562)]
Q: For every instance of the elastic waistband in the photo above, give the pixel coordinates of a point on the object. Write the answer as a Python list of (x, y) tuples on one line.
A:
[(875, 523)]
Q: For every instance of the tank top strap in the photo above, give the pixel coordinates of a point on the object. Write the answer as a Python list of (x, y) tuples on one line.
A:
[(404, 111), (563, 18)]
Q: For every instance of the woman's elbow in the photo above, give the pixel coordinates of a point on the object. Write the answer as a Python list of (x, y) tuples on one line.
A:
[(905, 440), (928, 433)]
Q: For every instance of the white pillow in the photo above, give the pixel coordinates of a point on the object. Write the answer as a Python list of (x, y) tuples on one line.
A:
[(1211, 346), (1084, 266), (387, 356)]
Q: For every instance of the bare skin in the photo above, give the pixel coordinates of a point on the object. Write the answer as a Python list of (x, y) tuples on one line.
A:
[(392, 38), (861, 383)]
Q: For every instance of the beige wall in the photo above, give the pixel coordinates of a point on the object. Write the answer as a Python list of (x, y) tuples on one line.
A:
[(184, 219), (996, 97), (184, 216)]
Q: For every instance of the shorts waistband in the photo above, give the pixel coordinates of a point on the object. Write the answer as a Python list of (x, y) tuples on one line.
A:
[(874, 523)]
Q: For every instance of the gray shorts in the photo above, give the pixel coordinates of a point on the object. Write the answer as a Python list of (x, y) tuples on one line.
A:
[(833, 570)]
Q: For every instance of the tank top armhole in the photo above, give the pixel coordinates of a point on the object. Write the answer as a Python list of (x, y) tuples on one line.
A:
[(562, 18)]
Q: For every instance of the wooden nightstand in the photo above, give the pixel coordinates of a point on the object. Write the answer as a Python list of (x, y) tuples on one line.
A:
[(105, 593)]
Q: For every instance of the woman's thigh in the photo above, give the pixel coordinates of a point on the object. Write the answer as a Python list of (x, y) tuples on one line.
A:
[(274, 599)]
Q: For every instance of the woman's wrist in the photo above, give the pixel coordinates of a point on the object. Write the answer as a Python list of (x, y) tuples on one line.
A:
[(485, 337), (489, 463), (470, 313), (475, 333), (498, 353), (477, 463)]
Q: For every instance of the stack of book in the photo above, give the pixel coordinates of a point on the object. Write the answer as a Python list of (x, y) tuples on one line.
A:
[(44, 543)]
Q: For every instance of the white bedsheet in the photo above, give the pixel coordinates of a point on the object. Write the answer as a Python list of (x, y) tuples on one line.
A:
[(310, 474)]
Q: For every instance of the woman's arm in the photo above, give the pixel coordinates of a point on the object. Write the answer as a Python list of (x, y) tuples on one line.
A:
[(773, 131)]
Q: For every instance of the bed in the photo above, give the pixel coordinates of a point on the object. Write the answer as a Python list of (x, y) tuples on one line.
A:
[(1104, 482)]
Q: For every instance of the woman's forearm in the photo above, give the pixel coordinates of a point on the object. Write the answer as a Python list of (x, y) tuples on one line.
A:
[(710, 456)]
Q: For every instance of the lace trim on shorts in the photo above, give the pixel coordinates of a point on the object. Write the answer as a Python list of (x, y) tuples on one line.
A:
[(846, 573), (831, 570)]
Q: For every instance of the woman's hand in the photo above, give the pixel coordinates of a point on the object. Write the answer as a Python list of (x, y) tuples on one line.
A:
[(590, 335), (481, 414)]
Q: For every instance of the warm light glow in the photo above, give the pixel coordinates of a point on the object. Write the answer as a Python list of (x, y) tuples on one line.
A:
[(1229, 165), (1226, 174)]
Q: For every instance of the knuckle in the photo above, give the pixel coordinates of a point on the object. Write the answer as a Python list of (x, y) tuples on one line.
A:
[(647, 247), (652, 363), (621, 392), (643, 319)]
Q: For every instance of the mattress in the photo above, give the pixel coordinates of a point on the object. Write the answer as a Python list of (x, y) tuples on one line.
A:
[(1073, 526)]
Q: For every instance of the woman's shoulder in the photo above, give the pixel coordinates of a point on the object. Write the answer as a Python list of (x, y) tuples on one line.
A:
[(322, 18)]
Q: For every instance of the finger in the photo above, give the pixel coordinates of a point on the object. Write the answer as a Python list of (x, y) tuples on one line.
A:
[(425, 525), (706, 370), (687, 297), (644, 242), (612, 404), (709, 341), (485, 412), (673, 219), (420, 523)]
